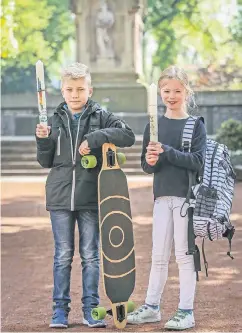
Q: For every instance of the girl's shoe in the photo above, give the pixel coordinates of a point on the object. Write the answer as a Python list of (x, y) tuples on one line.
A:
[(181, 320), (144, 314)]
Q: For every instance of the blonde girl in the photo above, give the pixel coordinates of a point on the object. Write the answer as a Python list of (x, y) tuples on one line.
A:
[(170, 164)]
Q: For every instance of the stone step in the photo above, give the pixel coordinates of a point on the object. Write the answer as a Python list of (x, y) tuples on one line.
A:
[(20, 165), (32, 157), (19, 158), (34, 164), (20, 150), (44, 172), (24, 172), (6, 142)]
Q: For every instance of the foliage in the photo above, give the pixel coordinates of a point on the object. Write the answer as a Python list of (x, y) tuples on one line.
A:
[(203, 36), (32, 30), (230, 134)]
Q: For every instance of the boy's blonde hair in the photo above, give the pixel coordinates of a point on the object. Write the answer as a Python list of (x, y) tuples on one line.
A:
[(76, 71), (177, 73)]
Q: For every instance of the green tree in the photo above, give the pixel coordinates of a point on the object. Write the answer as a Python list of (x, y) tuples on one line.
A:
[(198, 33), (230, 134), (236, 25), (38, 30), (9, 44)]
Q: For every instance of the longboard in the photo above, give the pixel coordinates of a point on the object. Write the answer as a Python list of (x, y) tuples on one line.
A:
[(116, 236)]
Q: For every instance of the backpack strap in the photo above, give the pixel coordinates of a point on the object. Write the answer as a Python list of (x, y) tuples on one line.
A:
[(192, 247), (204, 257), (188, 131), (186, 144)]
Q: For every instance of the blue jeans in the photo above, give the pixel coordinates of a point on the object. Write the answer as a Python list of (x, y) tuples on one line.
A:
[(63, 227)]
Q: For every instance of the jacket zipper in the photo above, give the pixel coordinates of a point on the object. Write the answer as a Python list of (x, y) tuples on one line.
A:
[(73, 156), (58, 142)]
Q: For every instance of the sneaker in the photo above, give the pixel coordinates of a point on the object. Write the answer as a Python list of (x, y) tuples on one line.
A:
[(89, 321), (59, 318), (181, 320), (144, 314)]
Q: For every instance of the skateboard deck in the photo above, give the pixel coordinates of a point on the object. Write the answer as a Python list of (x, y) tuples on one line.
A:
[(116, 235)]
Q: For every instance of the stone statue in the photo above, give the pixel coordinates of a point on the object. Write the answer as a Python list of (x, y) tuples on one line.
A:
[(104, 21)]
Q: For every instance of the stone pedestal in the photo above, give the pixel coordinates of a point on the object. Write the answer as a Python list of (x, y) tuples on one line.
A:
[(109, 41)]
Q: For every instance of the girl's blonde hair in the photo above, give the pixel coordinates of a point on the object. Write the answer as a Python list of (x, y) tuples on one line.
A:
[(177, 73), (76, 71)]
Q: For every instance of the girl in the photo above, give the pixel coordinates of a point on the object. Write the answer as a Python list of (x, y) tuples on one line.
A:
[(170, 164)]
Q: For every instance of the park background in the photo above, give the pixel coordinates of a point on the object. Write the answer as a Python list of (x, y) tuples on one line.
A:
[(202, 36)]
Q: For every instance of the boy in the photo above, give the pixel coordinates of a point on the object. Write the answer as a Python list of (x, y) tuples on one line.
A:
[(79, 126)]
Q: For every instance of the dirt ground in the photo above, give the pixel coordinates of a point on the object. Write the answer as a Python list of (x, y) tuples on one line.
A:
[(27, 252)]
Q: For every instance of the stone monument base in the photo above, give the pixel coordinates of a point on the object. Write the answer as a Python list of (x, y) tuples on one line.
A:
[(123, 93)]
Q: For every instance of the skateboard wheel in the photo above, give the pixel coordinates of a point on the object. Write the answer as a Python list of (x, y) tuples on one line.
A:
[(98, 313), (89, 161), (131, 306), (121, 158)]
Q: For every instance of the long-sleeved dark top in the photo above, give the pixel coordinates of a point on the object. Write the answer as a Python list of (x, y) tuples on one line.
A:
[(170, 172), (69, 185)]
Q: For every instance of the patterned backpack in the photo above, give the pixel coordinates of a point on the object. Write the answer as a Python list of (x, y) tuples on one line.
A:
[(210, 200)]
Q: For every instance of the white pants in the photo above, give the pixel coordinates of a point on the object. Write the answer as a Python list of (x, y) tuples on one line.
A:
[(168, 224)]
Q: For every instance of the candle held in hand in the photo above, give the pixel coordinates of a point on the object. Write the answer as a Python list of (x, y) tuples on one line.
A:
[(40, 82), (152, 110)]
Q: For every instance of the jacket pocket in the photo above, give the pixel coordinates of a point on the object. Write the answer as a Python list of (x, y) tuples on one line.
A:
[(86, 188), (58, 194)]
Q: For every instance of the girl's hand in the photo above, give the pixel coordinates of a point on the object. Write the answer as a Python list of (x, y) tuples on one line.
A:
[(153, 151), (155, 148), (84, 149), (151, 159)]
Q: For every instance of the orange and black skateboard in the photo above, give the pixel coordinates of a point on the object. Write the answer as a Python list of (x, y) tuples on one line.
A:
[(116, 238)]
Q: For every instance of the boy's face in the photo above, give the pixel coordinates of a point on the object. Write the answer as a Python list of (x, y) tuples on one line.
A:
[(76, 93), (173, 94)]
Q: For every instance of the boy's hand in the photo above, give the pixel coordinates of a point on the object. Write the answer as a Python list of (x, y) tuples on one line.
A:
[(42, 131), (84, 149)]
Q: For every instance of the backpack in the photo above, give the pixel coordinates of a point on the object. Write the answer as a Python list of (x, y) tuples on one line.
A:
[(210, 200)]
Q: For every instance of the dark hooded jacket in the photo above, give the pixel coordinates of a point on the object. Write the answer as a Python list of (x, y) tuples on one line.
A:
[(69, 186)]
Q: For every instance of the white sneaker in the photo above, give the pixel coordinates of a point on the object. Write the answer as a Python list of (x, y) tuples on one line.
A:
[(144, 314), (181, 320)]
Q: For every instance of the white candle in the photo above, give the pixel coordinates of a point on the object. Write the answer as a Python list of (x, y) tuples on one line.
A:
[(40, 81), (152, 110)]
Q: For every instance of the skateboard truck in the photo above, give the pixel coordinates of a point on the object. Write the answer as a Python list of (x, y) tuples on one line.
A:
[(117, 311), (110, 158), (120, 312)]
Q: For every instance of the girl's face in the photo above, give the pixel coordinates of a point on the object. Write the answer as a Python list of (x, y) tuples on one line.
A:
[(173, 94)]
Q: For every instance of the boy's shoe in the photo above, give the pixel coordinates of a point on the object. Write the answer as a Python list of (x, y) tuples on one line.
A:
[(181, 320), (89, 321), (144, 314), (59, 318)]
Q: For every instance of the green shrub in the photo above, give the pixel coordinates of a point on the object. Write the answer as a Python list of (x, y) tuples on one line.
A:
[(230, 134)]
